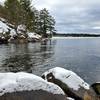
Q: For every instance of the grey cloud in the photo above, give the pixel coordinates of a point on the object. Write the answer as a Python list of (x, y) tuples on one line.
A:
[(79, 19), (73, 15)]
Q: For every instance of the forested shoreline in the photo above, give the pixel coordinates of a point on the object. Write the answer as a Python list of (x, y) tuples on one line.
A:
[(22, 12), (77, 35)]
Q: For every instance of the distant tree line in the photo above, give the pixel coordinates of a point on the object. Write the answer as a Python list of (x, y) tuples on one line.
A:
[(19, 12), (77, 35)]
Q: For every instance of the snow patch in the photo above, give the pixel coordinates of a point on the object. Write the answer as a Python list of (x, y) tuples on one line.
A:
[(13, 33), (68, 98), (68, 77), (2, 2), (21, 81), (21, 28), (33, 35), (3, 27)]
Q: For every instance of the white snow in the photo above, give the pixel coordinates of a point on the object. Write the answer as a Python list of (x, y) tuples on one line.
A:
[(68, 98), (68, 77), (12, 33), (3, 27), (21, 81), (33, 35), (2, 2), (21, 28)]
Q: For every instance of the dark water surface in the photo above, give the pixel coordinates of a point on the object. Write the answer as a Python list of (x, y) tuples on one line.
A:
[(79, 55)]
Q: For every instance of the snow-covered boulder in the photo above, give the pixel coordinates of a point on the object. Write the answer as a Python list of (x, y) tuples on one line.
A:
[(7, 31), (2, 2), (21, 29), (69, 81), (25, 86), (13, 36), (32, 36), (4, 27), (13, 33)]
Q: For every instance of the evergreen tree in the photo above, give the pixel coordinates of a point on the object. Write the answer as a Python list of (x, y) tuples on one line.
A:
[(27, 14), (51, 25), (37, 22), (47, 23), (12, 9), (20, 12), (2, 11)]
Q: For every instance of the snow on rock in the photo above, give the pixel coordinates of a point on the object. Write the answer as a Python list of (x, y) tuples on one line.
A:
[(4, 27), (70, 82), (2, 2), (33, 35), (68, 77), (21, 81), (68, 98), (21, 29), (13, 33)]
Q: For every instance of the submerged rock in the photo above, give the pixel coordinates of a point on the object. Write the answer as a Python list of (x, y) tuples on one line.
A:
[(24, 86), (70, 82)]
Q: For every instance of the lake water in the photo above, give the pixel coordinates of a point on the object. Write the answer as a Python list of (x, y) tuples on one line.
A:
[(81, 55)]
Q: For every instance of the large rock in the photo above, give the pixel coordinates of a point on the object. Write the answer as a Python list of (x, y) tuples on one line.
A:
[(24, 86), (70, 82), (33, 37), (32, 95), (3, 26), (90, 95), (93, 93), (21, 29), (3, 40)]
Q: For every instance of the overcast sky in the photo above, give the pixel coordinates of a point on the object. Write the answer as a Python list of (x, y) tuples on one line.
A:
[(73, 15)]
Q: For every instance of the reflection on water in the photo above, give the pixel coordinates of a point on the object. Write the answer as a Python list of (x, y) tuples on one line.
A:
[(25, 57), (79, 55)]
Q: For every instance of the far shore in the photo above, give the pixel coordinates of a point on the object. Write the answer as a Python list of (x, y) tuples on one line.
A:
[(73, 37)]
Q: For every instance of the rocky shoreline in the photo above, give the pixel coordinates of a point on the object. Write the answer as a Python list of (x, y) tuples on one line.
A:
[(54, 84)]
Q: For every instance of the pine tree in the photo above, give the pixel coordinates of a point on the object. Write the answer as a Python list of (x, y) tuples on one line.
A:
[(47, 23), (2, 11), (51, 26), (37, 22), (27, 14), (20, 12), (12, 9)]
